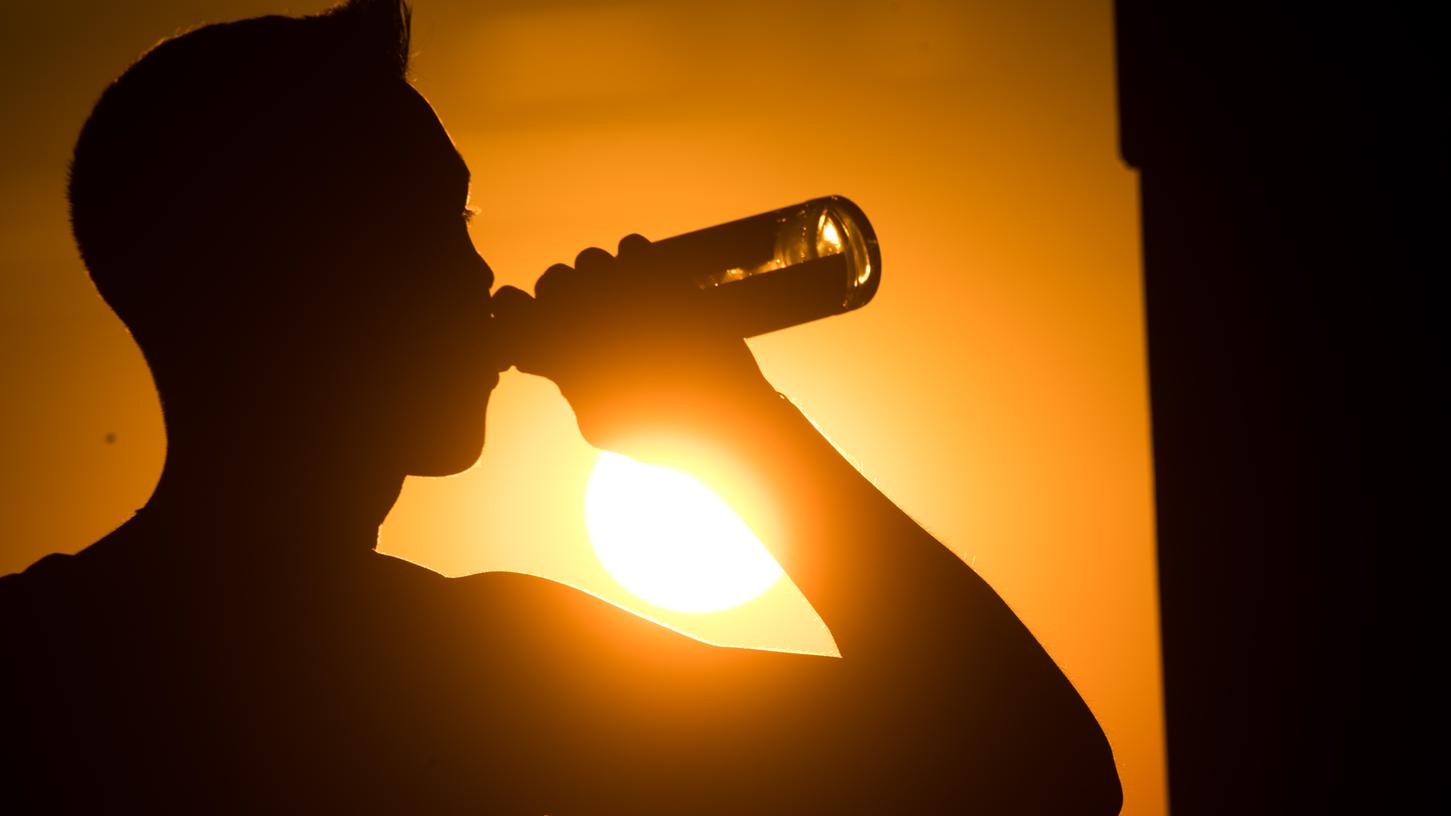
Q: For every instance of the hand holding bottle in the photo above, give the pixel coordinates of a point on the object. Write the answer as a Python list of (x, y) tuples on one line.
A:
[(637, 349), (648, 344)]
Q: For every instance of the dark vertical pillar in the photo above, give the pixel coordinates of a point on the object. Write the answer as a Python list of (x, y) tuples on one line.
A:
[(1285, 155)]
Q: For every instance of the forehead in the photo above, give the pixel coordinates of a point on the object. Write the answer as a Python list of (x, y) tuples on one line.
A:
[(426, 162)]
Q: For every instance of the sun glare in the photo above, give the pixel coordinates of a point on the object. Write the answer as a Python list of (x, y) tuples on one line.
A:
[(670, 540)]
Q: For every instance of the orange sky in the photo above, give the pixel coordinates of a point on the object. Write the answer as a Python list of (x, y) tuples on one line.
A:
[(995, 389)]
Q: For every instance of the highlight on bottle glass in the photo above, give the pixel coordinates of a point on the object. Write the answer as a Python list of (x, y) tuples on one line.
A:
[(785, 267)]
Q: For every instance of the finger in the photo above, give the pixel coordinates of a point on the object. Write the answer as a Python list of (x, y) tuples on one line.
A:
[(637, 260), (513, 312), (593, 261), (632, 245), (513, 326), (509, 302), (555, 281)]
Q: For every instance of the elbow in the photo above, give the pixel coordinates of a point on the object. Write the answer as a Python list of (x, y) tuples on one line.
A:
[(1083, 777), (1080, 783), (1099, 788), (1059, 768), (1086, 779), (1066, 769), (1111, 791)]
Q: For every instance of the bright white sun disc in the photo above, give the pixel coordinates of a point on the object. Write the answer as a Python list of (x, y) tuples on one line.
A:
[(669, 539)]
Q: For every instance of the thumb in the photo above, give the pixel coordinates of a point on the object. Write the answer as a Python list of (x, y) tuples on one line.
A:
[(514, 316)]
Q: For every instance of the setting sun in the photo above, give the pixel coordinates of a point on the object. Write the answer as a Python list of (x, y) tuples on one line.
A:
[(666, 537)]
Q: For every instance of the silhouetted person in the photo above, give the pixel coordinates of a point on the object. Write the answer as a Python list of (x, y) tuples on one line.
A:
[(280, 221)]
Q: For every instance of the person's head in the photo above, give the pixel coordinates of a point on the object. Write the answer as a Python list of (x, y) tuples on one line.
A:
[(279, 219)]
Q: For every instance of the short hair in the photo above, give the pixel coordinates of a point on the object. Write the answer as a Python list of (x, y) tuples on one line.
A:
[(217, 147)]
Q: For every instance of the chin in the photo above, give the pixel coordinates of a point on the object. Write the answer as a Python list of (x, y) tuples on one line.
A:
[(446, 448), (442, 466), (458, 455), (442, 442)]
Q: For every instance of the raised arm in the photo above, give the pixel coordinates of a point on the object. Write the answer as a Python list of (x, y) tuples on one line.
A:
[(939, 686)]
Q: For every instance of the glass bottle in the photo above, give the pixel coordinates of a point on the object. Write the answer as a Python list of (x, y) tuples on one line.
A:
[(784, 267)]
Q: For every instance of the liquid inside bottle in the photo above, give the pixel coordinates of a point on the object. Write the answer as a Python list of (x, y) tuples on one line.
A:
[(785, 267)]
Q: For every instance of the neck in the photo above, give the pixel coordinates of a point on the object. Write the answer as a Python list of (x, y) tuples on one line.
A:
[(246, 496)]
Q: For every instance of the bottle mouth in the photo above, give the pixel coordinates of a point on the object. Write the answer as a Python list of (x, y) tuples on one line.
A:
[(821, 228), (859, 241), (837, 226)]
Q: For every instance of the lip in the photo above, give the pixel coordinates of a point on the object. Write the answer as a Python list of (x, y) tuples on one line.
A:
[(494, 341)]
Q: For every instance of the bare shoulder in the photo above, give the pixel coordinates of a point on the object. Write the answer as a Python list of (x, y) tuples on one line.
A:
[(563, 625), (48, 568), (607, 689), (544, 610)]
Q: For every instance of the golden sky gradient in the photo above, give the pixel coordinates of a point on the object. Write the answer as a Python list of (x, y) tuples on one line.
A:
[(995, 389)]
